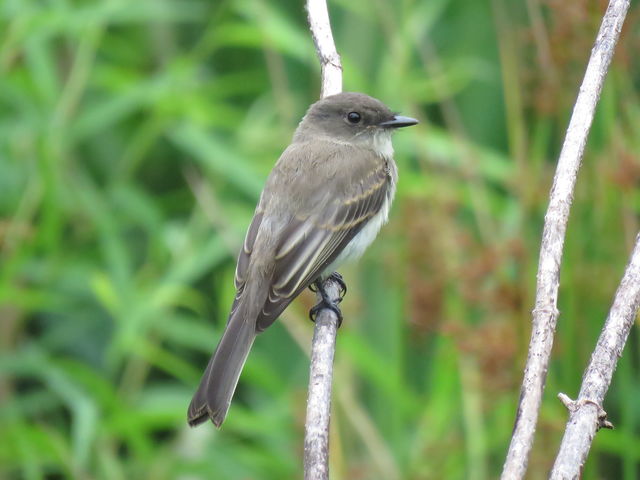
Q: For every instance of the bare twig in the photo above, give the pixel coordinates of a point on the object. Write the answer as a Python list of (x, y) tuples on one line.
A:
[(586, 413), (316, 440), (382, 461), (325, 47), (574, 405), (545, 313)]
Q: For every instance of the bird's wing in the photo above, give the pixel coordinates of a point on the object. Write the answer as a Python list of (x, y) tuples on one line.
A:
[(244, 257), (334, 209)]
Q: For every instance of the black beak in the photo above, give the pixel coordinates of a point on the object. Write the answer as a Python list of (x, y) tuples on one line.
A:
[(399, 121)]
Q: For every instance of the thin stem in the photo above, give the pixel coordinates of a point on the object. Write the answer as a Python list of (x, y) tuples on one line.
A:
[(325, 47), (586, 413), (316, 438), (545, 313)]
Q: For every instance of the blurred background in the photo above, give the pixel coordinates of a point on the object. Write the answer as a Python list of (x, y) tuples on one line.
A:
[(135, 138)]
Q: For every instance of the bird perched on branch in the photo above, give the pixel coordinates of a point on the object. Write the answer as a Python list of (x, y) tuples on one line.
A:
[(323, 203)]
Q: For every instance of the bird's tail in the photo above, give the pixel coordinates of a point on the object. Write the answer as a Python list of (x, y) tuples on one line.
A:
[(221, 376)]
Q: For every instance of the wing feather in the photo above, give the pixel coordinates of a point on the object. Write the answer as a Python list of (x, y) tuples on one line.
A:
[(310, 244), (247, 249), (240, 278)]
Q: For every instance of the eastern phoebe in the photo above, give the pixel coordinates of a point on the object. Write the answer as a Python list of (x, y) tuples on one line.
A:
[(324, 202)]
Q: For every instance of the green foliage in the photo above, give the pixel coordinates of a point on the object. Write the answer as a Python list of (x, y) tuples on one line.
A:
[(134, 141)]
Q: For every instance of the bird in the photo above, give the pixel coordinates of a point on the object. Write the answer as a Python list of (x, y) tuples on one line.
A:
[(323, 203)]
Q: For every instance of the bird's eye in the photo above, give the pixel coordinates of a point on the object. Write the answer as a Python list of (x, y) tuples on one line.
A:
[(353, 117)]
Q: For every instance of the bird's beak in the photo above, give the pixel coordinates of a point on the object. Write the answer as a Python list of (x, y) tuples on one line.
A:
[(399, 121)]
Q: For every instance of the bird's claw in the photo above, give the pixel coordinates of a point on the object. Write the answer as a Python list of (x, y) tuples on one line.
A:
[(336, 277), (326, 302), (313, 313)]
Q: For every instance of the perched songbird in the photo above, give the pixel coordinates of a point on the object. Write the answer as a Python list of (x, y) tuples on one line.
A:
[(324, 202)]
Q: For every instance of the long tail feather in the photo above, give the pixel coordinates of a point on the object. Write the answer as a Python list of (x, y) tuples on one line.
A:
[(221, 376)]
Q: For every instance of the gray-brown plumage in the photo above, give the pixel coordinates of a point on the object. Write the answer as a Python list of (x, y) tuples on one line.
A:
[(324, 202)]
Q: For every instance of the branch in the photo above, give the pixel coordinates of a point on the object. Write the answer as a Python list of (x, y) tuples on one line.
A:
[(325, 47), (316, 439), (545, 313), (586, 413)]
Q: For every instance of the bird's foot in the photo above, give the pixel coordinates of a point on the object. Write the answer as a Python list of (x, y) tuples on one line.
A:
[(326, 302), (336, 277), (313, 313)]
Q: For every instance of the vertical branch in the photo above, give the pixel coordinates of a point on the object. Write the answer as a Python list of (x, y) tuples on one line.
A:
[(316, 439), (325, 47), (586, 413), (545, 313)]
